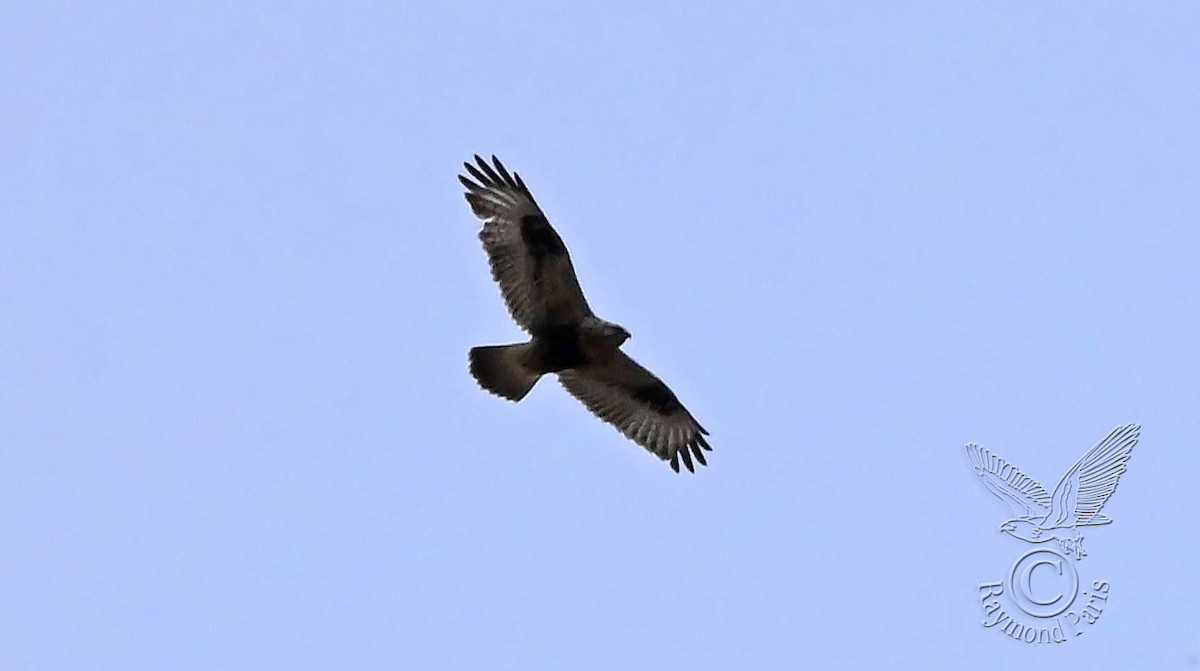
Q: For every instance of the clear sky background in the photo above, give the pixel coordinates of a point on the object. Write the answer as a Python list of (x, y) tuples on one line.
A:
[(238, 282)]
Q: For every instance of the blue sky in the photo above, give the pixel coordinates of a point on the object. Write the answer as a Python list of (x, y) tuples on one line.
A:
[(238, 282)]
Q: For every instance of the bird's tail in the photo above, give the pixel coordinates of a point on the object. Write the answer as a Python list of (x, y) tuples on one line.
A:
[(501, 370)]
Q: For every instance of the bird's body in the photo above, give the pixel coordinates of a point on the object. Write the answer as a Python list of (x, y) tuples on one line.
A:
[(533, 269), (551, 349)]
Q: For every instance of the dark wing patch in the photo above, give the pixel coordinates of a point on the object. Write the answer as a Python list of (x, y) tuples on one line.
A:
[(541, 238), (528, 258), (658, 397), (640, 406)]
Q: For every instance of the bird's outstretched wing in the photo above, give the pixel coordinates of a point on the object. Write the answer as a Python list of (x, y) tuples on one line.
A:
[(1085, 488), (639, 405), (528, 259), (1023, 495)]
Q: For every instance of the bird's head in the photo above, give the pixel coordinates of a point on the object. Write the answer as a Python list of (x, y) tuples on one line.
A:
[(606, 332), (615, 333), (1026, 530)]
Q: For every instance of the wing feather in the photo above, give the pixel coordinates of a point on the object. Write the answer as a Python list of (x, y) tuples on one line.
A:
[(638, 404), (1023, 495), (528, 259), (1085, 488)]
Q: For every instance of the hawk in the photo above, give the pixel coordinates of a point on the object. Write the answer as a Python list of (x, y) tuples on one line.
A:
[(531, 264)]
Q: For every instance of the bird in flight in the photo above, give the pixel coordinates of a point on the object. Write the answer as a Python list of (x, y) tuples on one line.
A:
[(1076, 501), (531, 264)]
